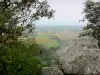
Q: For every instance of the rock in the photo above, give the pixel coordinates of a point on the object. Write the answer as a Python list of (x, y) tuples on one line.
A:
[(51, 71), (81, 56)]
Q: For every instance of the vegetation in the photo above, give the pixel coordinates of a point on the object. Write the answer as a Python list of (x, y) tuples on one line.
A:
[(18, 57), (19, 15), (92, 15)]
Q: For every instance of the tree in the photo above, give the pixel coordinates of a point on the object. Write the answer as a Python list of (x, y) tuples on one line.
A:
[(92, 14), (17, 16), (18, 59)]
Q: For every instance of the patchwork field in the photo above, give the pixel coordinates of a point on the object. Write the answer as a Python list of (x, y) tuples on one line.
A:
[(46, 41), (55, 36), (67, 35)]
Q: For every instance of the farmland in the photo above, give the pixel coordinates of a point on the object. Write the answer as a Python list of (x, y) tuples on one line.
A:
[(46, 41), (55, 36)]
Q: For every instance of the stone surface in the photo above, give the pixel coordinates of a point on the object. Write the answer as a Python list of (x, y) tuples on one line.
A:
[(80, 56), (51, 71)]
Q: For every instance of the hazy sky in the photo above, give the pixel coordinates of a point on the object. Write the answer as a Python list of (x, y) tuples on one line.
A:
[(68, 12)]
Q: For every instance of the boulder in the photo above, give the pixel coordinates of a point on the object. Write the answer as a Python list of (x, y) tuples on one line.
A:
[(51, 71), (80, 56)]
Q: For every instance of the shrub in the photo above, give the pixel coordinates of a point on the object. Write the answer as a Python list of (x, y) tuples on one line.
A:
[(17, 59)]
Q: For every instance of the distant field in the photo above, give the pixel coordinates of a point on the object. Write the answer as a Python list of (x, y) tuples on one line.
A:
[(63, 33), (67, 35), (46, 41)]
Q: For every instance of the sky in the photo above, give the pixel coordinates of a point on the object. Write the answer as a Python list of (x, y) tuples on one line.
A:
[(68, 12)]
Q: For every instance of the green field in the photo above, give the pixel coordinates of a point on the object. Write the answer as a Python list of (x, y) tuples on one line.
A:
[(44, 40), (56, 36)]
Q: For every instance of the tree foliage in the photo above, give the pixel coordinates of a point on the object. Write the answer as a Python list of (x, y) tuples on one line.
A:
[(17, 59), (17, 16), (92, 15)]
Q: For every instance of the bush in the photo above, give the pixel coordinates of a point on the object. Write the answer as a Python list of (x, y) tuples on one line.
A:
[(17, 59)]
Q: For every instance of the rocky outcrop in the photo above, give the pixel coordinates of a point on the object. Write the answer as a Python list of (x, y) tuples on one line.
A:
[(80, 56), (51, 71)]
